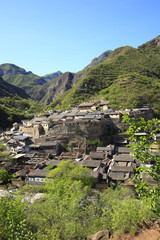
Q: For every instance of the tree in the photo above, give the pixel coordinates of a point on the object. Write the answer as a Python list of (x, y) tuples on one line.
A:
[(13, 224), (4, 154), (143, 152), (62, 215), (4, 176), (67, 178)]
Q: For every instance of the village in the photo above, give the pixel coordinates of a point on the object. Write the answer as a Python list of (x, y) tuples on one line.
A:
[(91, 135)]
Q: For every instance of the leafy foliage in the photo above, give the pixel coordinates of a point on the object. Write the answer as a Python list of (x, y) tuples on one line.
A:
[(69, 177), (4, 176), (80, 215), (15, 109), (13, 223), (143, 152), (4, 154), (70, 209)]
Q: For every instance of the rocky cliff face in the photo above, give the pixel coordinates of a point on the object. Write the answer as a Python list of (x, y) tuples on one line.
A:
[(154, 41), (99, 59), (49, 91)]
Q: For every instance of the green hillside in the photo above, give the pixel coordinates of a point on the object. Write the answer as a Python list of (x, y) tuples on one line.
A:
[(58, 83), (19, 77), (14, 109), (8, 90), (129, 77)]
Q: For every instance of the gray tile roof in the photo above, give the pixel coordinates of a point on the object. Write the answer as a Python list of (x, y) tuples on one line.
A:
[(124, 150), (71, 113), (86, 104), (116, 175), (97, 155), (80, 113), (123, 158), (53, 162), (38, 173), (91, 163), (121, 169), (103, 103), (21, 137), (104, 149)]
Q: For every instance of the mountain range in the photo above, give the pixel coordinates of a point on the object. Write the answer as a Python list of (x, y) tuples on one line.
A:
[(127, 77)]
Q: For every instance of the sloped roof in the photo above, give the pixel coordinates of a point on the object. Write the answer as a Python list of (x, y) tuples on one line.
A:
[(121, 164), (38, 173), (80, 113), (111, 112), (124, 150), (91, 163), (97, 155), (39, 119), (69, 155), (121, 169), (21, 137), (104, 103), (116, 175), (53, 162), (86, 104), (48, 143), (104, 149), (123, 158), (121, 176), (72, 113), (89, 116)]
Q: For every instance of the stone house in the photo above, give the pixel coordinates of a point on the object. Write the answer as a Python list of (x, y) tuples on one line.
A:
[(37, 176), (71, 115), (89, 163), (52, 147), (108, 149), (35, 130), (91, 106), (97, 155), (103, 105), (80, 114), (121, 168), (123, 150), (146, 113)]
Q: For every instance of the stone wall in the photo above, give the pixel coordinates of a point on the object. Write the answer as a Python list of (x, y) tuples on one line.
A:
[(34, 132), (91, 129)]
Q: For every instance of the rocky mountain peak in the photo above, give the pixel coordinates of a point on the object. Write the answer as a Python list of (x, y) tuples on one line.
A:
[(154, 41)]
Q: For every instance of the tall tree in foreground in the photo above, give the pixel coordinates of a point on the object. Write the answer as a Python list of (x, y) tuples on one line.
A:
[(13, 225), (142, 147)]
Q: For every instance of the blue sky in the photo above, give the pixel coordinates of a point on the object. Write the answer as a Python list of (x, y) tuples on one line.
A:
[(44, 36)]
